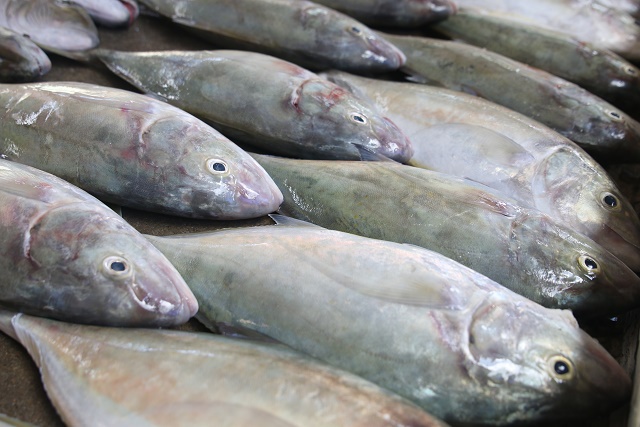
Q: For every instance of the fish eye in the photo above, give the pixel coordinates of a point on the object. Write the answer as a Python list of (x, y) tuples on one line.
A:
[(217, 166), (116, 266), (355, 30), (615, 115), (610, 201), (359, 118), (561, 368), (631, 71), (589, 264)]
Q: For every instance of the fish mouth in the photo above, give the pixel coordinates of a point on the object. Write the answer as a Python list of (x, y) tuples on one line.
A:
[(620, 246), (394, 144), (383, 55), (441, 10)]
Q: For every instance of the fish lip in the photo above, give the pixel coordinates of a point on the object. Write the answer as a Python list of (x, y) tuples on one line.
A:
[(629, 252), (388, 56), (394, 144), (442, 9)]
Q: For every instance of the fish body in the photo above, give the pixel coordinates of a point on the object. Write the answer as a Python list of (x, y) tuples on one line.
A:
[(394, 13), (67, 256), (600, 71), (132, 150), (58, 25), (520, 248), (21, 59), (263, 101), (403, 317), (110, 13), (301, 31), (465, 136), (631, 7), (145, 377), (597, 126)]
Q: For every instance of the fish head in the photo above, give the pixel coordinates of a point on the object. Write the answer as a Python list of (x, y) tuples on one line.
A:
[(618, 135), (570, 185), (572, 271), (429, 11), (97, 269), (21, 59), (351, 121), (215, 178), (542, 365)]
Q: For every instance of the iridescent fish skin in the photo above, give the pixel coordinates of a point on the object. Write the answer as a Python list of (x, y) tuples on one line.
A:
[(110, 13), (21, 60), (263, 101), (147, 377), (520, 248), (300, 31), (132, 150), (465, 136), (56, 25), (439, 338), (67, 256), (395, 13)]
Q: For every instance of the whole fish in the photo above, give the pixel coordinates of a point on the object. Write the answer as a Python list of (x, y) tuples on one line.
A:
[(110, 13), (463, 135), (67, 256), (263, 101), (300, 31), (600, 71), (132, 150), (145, 377), (597, 126), (403, 317), (394, 13), (51, 24), (586, 20), (522, 249), (21, 59)]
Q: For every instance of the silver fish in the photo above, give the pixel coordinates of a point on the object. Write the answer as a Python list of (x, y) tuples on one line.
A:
[(463, 135), (21, 59), (394, 13), (597, 126), (132, 150), (67, 256), (263, 101), (110, 13), (300, 31), (52, 24), (522, 249), (406, 318), (145, 377)]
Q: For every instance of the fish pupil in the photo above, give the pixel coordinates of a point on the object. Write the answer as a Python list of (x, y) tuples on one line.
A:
[(118, 266), (610, 201), (614, 115), (356, 30), (561, 368), (218, 167), (591, 264)]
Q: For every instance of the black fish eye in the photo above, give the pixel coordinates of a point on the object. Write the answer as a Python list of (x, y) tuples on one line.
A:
[(588, 264), (359, 118), (562, 368), (615, 115), (217, 166), (355, 30), (610, 201), (118, 266), (115, 265), (631, 71)]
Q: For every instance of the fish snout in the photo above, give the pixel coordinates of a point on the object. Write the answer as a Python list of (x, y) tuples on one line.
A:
[(257, 194), (393, 143), (439, 10), (382, 55)]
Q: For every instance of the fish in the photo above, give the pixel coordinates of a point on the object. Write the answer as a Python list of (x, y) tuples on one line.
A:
[(406, 318), (67, 256), (299, 31), (522, 249), (152, 377), (588, 21), (603, 130), (263, 101), (6, 421), (110, 13), (631, 7), (53, 25), (600, 71), (132, 150), (463, 135), (395, 13), (21, 59)]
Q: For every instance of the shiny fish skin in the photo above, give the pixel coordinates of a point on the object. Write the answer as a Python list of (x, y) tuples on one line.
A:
[(110, 13), (300, 31), (600, 71), (599, 127), (424, 307), (50, 24), (263, 101), (394, 13), (467, 136), (520, 248), (67, 256), (21, 60), (143, 378), (132, 150), (588, 21), (631, 7)]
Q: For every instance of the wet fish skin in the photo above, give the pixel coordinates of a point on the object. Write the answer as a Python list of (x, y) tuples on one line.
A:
[(67, 256), (58, 25), (394, 13), (263, 101), (132, 150), (110, 13), (439, 334), (304, 32), (520, 248), (21, 60), (597, 126), (600, 71), (466, 136), (145, 377)]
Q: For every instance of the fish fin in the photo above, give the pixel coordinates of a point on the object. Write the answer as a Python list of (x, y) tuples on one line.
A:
[(367, 155), (6, 322), (86, 56), (240, 332), (291, 222)]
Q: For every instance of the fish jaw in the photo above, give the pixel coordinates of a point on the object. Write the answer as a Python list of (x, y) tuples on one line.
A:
[(380, 55), (432, 10), (261, 197)]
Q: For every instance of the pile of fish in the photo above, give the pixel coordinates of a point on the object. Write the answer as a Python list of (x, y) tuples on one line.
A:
[(446, 221)]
